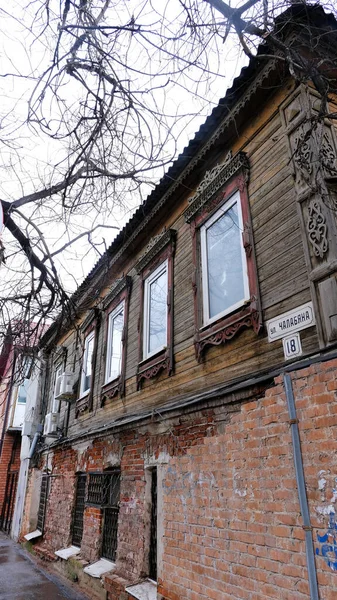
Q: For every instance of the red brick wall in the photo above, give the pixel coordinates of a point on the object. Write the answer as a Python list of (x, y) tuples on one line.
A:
[(230, 525), (10, 442)]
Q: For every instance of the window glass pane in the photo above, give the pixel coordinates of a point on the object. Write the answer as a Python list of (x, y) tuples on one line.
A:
[(224, 262), (87, 366), (115, 347), (22, 393), (157, 313)]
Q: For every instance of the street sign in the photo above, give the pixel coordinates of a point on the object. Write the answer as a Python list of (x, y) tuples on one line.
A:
[(294, 320), (292, 346)]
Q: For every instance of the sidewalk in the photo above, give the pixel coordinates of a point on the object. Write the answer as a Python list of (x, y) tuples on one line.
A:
[(22, 579)]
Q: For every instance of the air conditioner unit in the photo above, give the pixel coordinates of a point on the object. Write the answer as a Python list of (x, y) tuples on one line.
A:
[(51, 422), (64, 386)]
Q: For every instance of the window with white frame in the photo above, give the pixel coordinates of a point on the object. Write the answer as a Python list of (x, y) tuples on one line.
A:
[(56, 404), (155, 311), (115, 343), (87, 363), (225, 285)]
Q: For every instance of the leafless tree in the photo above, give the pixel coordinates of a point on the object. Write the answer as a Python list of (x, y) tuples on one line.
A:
[(97, 78)]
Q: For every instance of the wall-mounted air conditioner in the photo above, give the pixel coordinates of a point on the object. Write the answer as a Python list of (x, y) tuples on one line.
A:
[(64, 386), (51, 422)]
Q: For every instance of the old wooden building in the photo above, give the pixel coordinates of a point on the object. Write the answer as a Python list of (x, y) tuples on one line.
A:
[(189, 446)]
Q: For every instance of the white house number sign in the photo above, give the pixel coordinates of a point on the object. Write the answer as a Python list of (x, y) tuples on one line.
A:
[(287, 325), (292, 346)]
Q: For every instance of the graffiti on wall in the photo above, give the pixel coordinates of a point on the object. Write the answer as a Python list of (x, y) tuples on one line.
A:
[(328, 541), (328, 544)]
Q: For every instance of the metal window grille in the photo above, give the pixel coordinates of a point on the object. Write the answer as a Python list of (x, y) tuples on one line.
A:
[(104, 491), (9, 501), (43, 503), (153, 532), (77, 530)]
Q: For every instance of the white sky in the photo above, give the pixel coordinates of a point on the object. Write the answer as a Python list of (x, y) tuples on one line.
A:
[(27, 158)]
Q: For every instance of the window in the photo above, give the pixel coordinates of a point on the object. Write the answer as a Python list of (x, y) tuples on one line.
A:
[(153, 528), (77, 529), (104, 491), (224, 267), (56, 404), (116, 307), (155, 312), (155, 342), (225, 286), (26, 369), (87, 364), (43, 502), (114, 343)]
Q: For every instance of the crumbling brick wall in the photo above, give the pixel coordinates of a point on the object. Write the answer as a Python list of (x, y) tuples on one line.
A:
[(229, 524)]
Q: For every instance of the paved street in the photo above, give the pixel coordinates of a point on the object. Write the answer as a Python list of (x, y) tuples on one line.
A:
[(22, 579)]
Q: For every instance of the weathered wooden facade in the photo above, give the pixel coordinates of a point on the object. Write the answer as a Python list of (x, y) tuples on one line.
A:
[(172, 455)]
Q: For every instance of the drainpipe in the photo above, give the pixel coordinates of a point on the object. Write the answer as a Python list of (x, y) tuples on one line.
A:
[(33, 446), (302, 495)]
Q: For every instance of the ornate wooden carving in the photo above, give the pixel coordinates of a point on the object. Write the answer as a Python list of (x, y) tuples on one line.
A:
[(160, 248), (153, 368), (227, 332), (82, 404), (231, 177), (317, 228), (120, 291), (214, 180), (247, 238), (154, 248), (116, 289)]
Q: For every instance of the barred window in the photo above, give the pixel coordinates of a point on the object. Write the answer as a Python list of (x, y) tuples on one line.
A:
[(43, 502), (104, 491), (77, 529)]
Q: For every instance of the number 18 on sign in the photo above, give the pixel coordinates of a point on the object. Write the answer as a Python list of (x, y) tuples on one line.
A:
[(292, 346)]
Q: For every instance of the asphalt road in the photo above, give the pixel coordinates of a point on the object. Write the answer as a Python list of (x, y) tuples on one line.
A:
[(22, 579)]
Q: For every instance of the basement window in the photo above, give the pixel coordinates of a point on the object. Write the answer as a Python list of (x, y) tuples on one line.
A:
[(153, 527), (77, 528), (104, 491), (41, 515)]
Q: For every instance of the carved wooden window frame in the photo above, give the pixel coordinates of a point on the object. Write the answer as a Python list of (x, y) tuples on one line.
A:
[(90, 327), (160, 250), (217, 188), (119, 294), (90, 337)]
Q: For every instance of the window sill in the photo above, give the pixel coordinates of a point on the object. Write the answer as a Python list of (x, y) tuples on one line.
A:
[(99, 568), (224, 329), (150, 367), (147, 590), (32, 535), (66, 553), (111, 389)]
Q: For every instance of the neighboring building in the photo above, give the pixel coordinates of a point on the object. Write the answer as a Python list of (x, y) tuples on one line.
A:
[(206, 340), (18, 394)]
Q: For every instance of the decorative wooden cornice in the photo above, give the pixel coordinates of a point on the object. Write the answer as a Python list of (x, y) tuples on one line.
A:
[(118, 286), (154, 247), (213, 181), (89, 319)]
